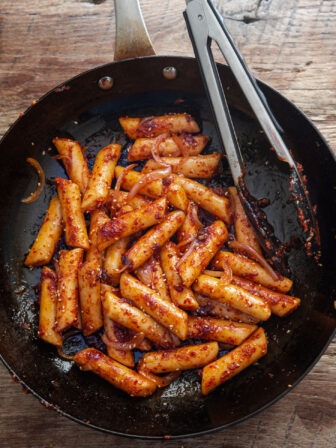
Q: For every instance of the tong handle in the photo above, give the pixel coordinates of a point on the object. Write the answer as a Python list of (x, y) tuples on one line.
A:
[(206, 25), (197, 20)]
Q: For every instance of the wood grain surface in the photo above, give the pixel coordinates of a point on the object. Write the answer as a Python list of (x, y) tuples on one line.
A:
[(291, 45)]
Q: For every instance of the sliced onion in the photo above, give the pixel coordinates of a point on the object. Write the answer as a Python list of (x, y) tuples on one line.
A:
[(41, 182), (120, 180), (109, 327), (128, 345), (175, 340), (184, 149), (146, 272), (148, 178), (186, 254), (145, 275), (188, 240), (155, 149), (145, 345), (62, 157), (253, 254), (160, 381), (142, 125), (64, 355), (194, 215), (225, 275)]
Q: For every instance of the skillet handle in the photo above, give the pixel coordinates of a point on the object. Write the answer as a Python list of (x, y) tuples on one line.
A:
[(132, 39)]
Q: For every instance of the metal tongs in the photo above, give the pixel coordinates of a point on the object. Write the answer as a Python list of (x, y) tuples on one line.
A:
[(204, 26)]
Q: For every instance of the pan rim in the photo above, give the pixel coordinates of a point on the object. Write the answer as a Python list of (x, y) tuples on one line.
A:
[(48, 405), (261, 83)]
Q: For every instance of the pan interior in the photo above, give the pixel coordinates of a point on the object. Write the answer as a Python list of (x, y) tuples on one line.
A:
[(295, 342)]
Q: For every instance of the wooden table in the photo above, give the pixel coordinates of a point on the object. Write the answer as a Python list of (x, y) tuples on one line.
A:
[(289, 44)]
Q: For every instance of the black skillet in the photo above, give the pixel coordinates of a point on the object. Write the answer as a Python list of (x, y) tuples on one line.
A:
[(81, 109)]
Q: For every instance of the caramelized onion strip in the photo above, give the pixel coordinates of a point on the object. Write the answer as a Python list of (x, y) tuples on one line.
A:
[(160, 381), (128, 345), (155, 149), (186, 254), (64, 355), (184, 149), (253, 254), (186, 241), (225, 275), (195, 218), (120, 180), (41, 182), (143, 122), (62, 157), (148, 178)]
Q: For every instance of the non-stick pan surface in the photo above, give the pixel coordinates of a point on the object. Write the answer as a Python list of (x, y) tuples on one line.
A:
[(80, 109)]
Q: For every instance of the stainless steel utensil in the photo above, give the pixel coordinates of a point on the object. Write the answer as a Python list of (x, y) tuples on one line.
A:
[(205, 25)]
